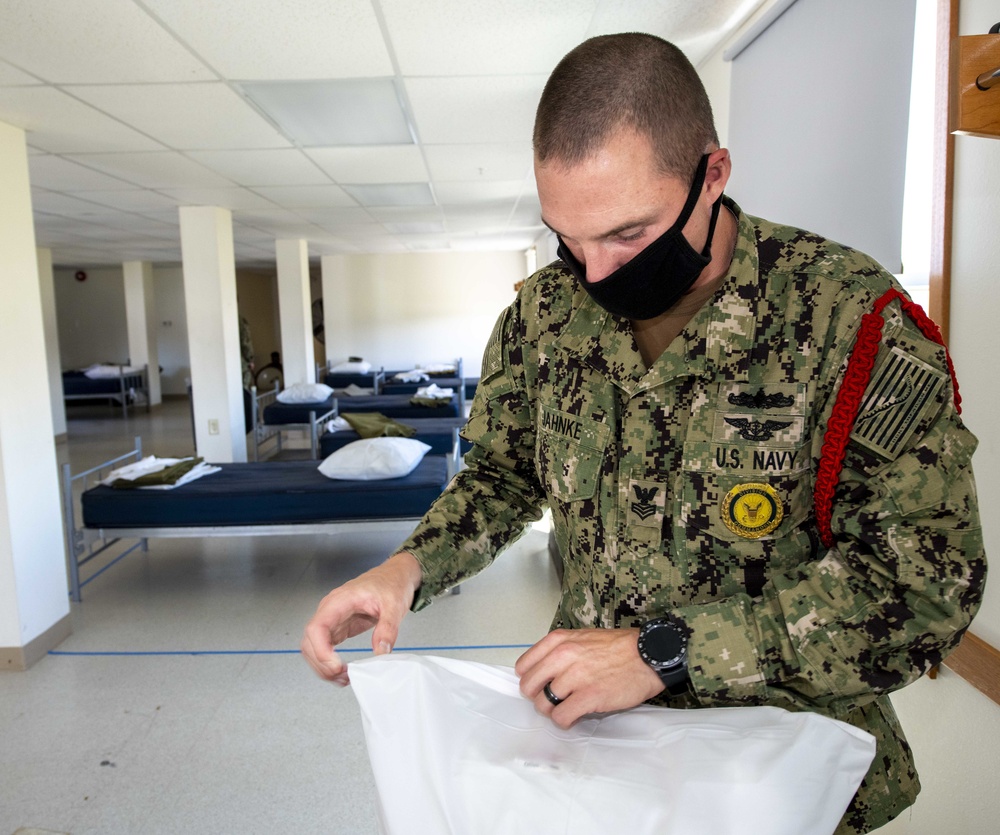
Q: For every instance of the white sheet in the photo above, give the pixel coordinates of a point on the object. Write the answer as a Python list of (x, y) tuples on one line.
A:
[(456, 749)]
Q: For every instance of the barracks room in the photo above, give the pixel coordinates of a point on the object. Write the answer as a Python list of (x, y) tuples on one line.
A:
[(252, 253)]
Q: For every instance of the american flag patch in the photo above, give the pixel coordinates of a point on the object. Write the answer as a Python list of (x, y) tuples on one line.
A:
[(902, 389), (493, 356)]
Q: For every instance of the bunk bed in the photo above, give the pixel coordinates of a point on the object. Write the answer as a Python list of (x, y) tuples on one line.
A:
[(444, 375), (352, 374), (123, 384), (402, 405)]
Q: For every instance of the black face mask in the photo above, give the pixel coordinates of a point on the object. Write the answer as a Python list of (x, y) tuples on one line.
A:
[(652, 282)]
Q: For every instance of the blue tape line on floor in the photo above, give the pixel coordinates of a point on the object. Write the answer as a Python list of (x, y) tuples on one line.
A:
[(88, 653)]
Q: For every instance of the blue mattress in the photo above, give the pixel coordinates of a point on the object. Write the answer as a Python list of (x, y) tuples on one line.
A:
[(270, 493), (435, 432), (341, 380), (78, 384), (397, 406), (277, 414), (396, 387)]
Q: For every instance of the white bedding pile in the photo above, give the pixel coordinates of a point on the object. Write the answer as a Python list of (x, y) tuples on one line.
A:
[(100, 371), (414, 376), (435, 392), (151, 464)]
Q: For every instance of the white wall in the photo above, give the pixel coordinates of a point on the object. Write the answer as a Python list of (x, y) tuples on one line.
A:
[(951, 726), (91, 317), (398, 311), (974, 337), (93, 328)]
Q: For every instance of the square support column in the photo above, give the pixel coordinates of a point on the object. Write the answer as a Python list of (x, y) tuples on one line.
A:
[(298, 359), (47, 287), (140, 315), (213, 332), (34, 600)]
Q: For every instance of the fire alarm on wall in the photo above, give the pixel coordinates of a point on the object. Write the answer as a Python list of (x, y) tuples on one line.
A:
[(80, 275)]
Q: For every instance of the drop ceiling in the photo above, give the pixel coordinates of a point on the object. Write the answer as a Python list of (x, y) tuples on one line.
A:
[(133, 108)]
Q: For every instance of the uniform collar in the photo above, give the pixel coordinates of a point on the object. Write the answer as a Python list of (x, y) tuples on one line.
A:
[(716, 342)]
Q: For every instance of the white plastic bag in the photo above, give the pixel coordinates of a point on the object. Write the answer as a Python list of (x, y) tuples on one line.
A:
[(455, 748)]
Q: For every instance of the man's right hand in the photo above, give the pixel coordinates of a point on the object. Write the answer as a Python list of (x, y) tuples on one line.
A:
[(379, 598)]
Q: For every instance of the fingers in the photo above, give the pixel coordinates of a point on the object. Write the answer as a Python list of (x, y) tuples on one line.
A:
[(586, 671), (545, 680), (378, 600)]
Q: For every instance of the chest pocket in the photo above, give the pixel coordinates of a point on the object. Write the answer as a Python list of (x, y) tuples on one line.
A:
[(569, 453), (746, 506)]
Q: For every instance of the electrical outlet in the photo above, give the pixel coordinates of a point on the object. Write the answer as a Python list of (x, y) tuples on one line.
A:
[(213, 426)]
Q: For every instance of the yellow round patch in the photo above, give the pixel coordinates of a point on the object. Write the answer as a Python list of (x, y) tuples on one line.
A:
[(752, 510)]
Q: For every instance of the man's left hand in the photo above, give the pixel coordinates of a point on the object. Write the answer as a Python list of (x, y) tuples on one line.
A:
[(589, 671)]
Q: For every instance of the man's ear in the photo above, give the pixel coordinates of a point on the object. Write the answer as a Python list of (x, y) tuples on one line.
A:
[(720, 166)]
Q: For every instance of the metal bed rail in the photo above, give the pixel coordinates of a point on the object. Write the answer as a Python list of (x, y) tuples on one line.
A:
[(82, 545), (264, 432)]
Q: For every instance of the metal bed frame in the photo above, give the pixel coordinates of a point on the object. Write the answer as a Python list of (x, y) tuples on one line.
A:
[(126, 384), (87, 544), (264, 432)]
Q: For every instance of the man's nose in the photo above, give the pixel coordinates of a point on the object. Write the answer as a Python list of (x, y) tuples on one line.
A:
[(598, 263)]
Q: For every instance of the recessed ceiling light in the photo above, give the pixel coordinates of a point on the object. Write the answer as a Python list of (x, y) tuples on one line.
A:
[(391, 194), (319, 114)]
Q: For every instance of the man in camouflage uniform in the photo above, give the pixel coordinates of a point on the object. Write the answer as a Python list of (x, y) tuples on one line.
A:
[(680, 451)]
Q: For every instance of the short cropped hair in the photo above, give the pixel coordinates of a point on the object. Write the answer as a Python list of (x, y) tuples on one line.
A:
[(631, 80)]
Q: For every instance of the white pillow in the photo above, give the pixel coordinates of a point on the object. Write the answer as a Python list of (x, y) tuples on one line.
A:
[(305, 393), (360, 367), (371, 459)]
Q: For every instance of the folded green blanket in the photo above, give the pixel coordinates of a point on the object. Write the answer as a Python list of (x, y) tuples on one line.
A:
[(377, 425), (168, 475), (433, 402)]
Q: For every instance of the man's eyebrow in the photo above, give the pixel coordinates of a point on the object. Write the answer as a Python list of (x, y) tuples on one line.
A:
[(635, 223)]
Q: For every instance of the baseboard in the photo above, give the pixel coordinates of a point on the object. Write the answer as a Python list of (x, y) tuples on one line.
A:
[(978, 663), (19, 659)]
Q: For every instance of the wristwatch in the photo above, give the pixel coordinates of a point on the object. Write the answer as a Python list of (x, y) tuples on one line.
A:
[(663, 645)]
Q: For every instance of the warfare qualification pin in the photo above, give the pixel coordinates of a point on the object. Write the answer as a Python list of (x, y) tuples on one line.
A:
[(752, 510)]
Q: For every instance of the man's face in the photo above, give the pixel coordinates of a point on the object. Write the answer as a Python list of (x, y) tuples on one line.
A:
[(610, 207)]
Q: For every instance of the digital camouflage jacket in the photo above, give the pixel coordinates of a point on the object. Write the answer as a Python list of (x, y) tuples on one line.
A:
[(688, 487)]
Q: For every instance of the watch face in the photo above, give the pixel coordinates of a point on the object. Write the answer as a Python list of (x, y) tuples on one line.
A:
[(663, 645)]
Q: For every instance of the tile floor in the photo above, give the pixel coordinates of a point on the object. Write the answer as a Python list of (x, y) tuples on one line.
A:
[(180, 703)]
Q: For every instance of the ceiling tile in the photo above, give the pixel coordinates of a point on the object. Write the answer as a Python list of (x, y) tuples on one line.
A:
[(93, 42), (279, 167), (336, 215), (510, 161), (406, 214), (483, 37), (694, 27), (306, 197), (372, 164), (186, 116), (12, 75), (467, 194), (265, 40), (129, 200), (227, 198), (391, 194), (58, 123), (493, 109), (52, 172), (166, 169)]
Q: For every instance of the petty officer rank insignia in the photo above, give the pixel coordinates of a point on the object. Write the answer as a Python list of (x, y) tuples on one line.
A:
[(752, 510)]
